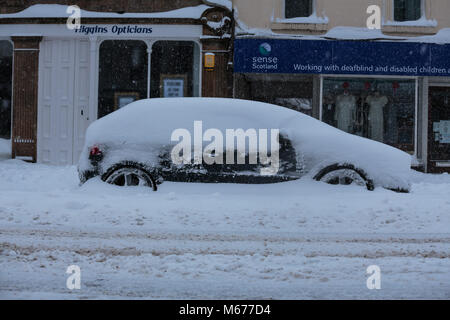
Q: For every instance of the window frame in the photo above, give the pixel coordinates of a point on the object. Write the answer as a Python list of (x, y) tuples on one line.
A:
[(313, 9), (149, 42)]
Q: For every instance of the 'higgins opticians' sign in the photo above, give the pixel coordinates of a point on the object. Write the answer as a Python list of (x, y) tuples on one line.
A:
[(341, 57), (120, 31), (114, 29)]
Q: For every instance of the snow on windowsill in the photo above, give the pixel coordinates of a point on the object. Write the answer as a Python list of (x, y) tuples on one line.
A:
[(442, 37), (356, 33), (345, 33), (422, 22), (221, 3), (312, 19), (59, 11)]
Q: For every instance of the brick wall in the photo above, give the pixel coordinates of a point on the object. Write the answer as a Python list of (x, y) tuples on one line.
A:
[(25, 88), (10, 6)]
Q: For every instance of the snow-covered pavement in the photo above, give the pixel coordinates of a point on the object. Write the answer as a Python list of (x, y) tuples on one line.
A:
[(294, 240)]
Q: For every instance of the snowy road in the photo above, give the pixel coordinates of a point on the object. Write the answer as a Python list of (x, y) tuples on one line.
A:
[(295, 240)]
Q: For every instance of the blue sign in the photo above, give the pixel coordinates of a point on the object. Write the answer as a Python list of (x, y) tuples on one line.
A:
[(341, 57)]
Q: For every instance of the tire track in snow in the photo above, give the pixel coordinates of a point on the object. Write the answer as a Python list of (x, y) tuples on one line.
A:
[(163, 244)]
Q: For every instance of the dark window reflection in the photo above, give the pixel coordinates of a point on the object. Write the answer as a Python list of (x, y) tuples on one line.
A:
[(123, 74), (6, 51), (172, 69), (407, 10), (297, 8)]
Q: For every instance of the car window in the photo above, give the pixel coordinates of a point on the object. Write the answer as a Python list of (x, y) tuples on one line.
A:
[(287, 156)]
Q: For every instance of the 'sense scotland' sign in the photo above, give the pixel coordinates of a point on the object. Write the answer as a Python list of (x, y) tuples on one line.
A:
[(341, 57)]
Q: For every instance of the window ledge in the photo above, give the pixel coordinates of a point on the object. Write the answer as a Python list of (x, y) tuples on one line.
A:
[(312, 19), (409, 29), (312, 23), (423, 26), (422, 22)]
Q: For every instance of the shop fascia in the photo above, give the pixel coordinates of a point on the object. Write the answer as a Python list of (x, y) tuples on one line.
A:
[(115, 29), (126, 31)]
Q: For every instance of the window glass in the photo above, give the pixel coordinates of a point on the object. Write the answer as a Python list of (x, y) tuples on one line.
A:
[(297, 8), (407, 10), (293, 92), (174, 69), (378, 109), (439, 121), (123, 73), (6, 52)]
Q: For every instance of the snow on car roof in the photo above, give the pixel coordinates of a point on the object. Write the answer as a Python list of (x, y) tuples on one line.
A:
[(156, 119)]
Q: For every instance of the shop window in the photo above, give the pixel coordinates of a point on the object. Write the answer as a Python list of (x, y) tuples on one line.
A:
[(123, 73), (297, 8), (293, 92), (6, 53), (174, 69), (378, 109), (407, 10), (439, 126)]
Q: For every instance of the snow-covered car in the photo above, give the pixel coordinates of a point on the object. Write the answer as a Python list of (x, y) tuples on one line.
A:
[(135, 146)]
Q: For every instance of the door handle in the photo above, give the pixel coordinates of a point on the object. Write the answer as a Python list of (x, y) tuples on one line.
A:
[(82, 113)]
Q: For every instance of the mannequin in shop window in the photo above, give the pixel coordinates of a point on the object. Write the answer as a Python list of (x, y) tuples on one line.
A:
[(376, 103), (358, 127), (362, 112), (345, 114), (328, 110)]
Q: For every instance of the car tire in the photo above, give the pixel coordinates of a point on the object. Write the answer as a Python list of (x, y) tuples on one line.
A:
[(129, 174), (344, 174)]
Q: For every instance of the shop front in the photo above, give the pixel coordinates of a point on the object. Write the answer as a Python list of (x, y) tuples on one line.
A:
[(391, 92), (61, 79)]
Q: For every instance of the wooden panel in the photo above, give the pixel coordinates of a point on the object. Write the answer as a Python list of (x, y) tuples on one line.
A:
[(217, 82), (25, 86), (56, 100)]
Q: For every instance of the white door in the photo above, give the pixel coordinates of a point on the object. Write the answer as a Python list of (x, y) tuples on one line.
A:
[(63, 100), (81, 97)]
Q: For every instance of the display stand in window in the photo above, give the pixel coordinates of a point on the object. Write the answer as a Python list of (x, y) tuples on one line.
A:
[(173, 86), (124, 98)]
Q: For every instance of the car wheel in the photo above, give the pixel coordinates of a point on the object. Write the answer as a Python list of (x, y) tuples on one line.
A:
[(129, 175), (344, 175)]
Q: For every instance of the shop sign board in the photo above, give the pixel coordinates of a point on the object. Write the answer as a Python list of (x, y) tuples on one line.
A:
[(341, 57), (122, 31)]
